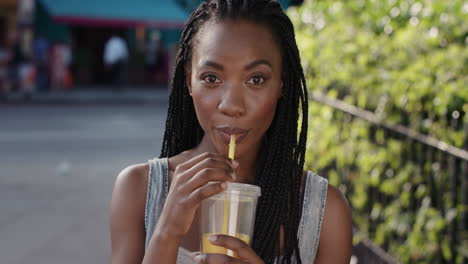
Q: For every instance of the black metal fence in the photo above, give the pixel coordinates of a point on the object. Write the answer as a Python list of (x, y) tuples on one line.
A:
[(430, 155)]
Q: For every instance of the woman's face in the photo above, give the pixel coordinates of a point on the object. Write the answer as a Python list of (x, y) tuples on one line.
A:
[(235, 81)]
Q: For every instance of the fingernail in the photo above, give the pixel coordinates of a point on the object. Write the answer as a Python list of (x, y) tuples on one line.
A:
[(213, 238), (197, 259), (196, 256), (224, 185)]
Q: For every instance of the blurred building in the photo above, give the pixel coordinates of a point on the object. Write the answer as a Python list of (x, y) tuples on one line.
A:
[(150, 28), (59, 44), (16, 34)]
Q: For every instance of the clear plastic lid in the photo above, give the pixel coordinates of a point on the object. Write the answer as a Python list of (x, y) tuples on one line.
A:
[(246, 190)]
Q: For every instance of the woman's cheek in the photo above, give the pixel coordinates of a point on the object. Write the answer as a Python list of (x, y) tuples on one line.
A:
[(264, 108), (205, 106)]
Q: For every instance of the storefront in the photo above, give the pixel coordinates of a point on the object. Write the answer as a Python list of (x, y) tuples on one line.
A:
[(16, 53), (150, 29)]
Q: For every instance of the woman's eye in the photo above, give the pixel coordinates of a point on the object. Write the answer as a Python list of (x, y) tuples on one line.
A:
[(256, 80), (211, 79)]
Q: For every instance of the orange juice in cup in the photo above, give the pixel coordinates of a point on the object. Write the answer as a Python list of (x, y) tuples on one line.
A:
[(231, 212)]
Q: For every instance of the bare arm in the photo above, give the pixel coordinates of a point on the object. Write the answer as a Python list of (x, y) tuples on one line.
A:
[(127, 215), (163, 248), (336, 232), (127, 224)]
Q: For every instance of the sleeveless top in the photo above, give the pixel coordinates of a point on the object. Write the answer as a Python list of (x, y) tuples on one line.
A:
[(308, 233)]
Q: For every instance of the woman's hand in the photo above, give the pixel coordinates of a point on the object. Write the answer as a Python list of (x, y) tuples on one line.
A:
[(189, 187), (244, 253)]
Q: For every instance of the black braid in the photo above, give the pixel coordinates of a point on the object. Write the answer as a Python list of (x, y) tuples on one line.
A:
[(281, 158)]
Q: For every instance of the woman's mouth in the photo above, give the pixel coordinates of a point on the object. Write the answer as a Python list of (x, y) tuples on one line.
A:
[(226, 132)]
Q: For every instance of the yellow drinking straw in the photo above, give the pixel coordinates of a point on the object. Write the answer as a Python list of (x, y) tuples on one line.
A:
[(233, 201), (232, 147)]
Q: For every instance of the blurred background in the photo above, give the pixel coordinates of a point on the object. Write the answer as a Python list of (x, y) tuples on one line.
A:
[(83, 94)]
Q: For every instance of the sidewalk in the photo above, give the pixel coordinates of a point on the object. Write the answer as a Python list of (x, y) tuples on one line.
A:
[(92, 95)]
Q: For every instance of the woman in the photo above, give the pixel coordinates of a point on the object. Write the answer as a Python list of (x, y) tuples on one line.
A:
[(237, 72)]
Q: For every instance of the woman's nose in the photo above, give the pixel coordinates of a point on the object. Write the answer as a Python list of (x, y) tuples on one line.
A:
[(232, 103)]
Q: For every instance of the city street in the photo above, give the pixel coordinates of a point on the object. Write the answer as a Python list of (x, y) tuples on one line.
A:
[(57, 169)]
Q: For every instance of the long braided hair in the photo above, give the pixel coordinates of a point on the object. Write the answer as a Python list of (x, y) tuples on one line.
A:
[(281, 159)]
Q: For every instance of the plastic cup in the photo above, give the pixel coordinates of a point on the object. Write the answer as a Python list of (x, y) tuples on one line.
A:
[(231, 212)]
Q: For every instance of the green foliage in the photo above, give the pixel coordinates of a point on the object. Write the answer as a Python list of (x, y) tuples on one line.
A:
[(406, 61)]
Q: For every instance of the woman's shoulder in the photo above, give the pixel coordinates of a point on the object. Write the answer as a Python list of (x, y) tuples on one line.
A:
[(131, 184), (337, 207), (134, 176), (335, 200), (336, 229)]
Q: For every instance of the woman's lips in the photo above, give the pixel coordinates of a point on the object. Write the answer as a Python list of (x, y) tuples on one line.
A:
[(226, 132)]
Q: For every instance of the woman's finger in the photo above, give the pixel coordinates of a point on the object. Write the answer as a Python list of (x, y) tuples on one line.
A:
[(243, 250), (209, 175), (216, 259), (204, 192), (206, 160), (213, 161), (197, 159)]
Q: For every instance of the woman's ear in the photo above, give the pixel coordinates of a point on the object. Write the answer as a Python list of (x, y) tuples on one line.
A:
[(188, 78)]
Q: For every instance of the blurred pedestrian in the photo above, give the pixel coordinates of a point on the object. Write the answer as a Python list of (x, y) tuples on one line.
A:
[(152, 47), (4, 58), (27, 77), (115, 59), (41, 61), (162, 68), (16, 59), (58, 66)]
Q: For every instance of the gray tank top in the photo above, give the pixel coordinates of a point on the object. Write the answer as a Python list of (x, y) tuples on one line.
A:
[(308, 234)]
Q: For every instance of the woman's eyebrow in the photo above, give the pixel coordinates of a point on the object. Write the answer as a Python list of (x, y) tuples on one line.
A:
[(250, 66), (211, 64), (256, 63)]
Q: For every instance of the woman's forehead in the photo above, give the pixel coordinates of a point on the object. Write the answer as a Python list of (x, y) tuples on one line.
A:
[(235, 40)]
